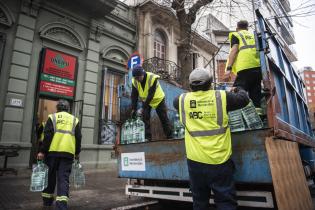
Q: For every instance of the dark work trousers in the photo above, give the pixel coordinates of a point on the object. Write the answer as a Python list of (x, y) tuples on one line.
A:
[(59, 170), (218, 178), (250, 80), (161, 111)]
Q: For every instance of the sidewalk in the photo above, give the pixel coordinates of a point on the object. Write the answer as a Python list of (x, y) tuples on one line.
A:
[(103, 191)]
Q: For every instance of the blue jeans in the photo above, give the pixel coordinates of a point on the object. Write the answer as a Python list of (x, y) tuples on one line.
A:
[(218, 178)]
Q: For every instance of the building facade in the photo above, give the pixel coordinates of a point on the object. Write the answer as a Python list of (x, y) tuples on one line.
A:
[(159, 40), (308, 76), (276, 12), (55, 49)]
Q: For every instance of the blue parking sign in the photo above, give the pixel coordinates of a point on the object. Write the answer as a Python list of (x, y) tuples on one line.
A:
[(135, 59)]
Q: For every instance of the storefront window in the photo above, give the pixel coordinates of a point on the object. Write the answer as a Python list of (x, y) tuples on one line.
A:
[(110, 106)]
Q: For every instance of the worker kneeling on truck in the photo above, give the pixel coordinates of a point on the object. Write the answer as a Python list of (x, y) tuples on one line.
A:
[(146, 86), (204, 114)]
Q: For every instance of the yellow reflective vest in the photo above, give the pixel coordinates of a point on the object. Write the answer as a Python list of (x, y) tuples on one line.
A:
[(143, 93), (64, 136), (247, 56), (206, 122), (42, 136)]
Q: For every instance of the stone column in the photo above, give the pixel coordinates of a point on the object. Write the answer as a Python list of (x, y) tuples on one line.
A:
[(14, 110), (148, 36), (90, 88)]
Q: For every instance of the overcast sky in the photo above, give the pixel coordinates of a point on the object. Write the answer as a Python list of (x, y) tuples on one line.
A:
[(304, 31)]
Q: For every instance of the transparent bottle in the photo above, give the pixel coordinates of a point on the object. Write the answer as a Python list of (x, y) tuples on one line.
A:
[(127, 132), (137, 133), (123, 134), (140, 130), (251, 117), (39, 178), (78, 174), (178, 129), (131, 131)]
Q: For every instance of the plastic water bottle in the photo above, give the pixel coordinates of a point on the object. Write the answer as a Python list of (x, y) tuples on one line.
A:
[(132, 131), (140, 130), (236, 121), (137, 134), (78, 174), (39, 178), (123, 134), (178, 129), (127, 132), (251, 117)]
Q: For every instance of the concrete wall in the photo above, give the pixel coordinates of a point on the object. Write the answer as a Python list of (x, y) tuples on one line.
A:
[(72, 30)]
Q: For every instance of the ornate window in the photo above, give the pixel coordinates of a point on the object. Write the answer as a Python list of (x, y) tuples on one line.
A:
[(6, 16), (63, 34), (159, 45)]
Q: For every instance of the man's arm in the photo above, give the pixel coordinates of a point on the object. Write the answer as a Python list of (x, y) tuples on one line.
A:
[(151, 93), (232, 56), (48, 136), (134, 98), (236, 100), (78, 137)]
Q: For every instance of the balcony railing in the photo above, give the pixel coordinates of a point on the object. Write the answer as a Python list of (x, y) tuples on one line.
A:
[(167, 70)]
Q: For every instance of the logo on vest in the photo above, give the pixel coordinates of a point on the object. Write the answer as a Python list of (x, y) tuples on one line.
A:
[(193, 104), (195, 115)]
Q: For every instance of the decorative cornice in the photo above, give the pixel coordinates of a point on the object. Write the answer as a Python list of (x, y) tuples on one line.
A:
[(63, 34), (6, 16), (31, 7), (107, 53)]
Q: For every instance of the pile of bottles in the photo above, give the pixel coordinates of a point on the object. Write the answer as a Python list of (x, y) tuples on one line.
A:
[(251, 117), (77, 176), (236, 121), (178, 128), (246, 118), (39, 178), (132, 131)]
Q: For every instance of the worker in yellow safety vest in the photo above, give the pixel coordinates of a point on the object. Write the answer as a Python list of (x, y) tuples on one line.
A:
[(62, 143), (146, 86), (244, 62), (204, 114)]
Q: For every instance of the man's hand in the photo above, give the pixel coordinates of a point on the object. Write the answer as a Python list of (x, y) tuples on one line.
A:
[(40, 156), (133, 113), (227, 76)]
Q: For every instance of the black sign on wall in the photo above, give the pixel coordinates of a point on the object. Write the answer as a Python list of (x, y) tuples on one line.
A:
[(2, 45)]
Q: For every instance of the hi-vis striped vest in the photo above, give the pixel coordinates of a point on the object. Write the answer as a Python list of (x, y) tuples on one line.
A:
[(143, 93), (207, 134), (64, 128), (247, 56)]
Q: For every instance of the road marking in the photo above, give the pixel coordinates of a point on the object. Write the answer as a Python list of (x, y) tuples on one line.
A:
[(135, 205)]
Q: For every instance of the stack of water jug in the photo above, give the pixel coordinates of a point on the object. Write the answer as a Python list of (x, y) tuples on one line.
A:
[(77, 177), (251, 119), (39, 178), (133, 131), (178, 128)]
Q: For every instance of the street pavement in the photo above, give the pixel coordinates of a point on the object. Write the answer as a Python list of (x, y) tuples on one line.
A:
[(103, 190)]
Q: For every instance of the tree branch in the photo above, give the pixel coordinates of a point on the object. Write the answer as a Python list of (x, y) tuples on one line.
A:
[(194, 9)]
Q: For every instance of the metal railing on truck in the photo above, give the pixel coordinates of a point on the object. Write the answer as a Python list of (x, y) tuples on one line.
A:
[(287, 110)]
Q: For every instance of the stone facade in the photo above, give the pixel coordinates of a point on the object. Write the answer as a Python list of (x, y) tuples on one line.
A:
[(89, 31)]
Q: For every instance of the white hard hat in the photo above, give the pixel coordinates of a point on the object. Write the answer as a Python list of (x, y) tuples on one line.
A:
[(199, 76)]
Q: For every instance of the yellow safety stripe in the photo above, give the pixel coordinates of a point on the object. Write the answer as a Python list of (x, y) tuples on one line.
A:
[(47, 195), (62, 198)]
